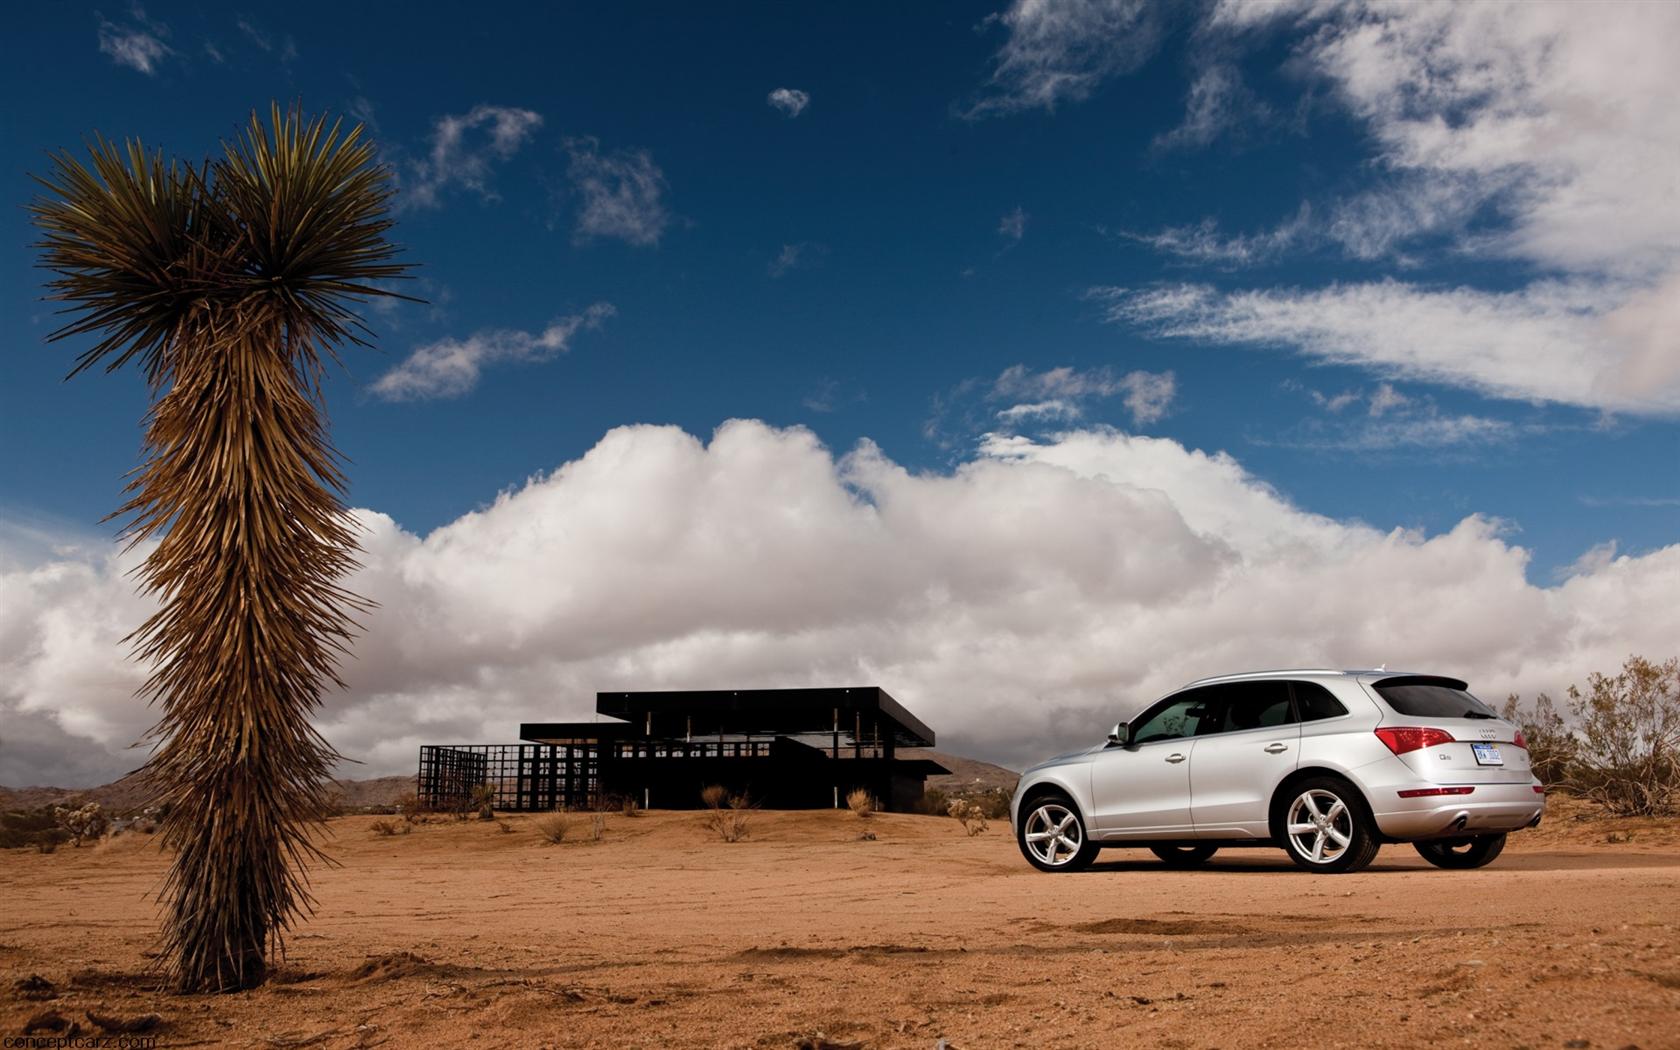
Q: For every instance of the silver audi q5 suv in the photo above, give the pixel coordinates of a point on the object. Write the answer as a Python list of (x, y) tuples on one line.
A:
[(1327, 765)]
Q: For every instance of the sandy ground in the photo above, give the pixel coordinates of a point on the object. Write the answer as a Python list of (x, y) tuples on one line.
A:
[(661, 936)]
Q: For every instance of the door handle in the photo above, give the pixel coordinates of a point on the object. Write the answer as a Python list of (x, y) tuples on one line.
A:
[(1276, 749), (1175, 757)]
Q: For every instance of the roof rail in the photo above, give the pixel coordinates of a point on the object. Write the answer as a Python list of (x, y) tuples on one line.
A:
[(1266, 674)]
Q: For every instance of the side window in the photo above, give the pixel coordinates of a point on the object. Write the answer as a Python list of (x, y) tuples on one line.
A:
[(1315, 702), (1176, 717), (1253, 705)]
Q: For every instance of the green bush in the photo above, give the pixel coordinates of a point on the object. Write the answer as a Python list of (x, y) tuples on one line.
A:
[(1552, 748), (1628, 758)]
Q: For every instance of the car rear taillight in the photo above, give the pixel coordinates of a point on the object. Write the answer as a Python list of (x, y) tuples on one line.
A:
[(1425, 792), (1401, 739), (1520, 741), (1539, 789)]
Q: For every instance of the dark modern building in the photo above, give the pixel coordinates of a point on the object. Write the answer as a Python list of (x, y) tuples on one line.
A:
[(782, 748)]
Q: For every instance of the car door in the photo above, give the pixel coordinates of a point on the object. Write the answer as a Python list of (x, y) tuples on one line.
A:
[(1241, 754), (1141, 789)]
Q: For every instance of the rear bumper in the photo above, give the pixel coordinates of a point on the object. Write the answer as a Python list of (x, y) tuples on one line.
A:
[(1489, 809)]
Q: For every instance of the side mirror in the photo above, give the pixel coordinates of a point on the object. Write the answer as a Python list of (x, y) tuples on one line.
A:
[(1120, 734)]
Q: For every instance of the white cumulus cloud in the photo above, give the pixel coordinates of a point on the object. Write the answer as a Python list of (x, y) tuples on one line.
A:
[(791, 101), (1019, 602)]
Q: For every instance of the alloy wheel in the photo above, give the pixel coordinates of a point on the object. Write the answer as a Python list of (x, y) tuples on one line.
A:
[(1053, 834), (1320, 826)]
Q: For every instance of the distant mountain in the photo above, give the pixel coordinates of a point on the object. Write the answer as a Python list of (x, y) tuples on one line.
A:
[(968, 774), (129, 795)]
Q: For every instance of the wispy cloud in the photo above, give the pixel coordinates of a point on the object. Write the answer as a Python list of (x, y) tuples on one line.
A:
[(285, 47), (451, 367), (791, 101), (1203, 242), (464, 152), (139, 44), (1020, 395), (1014, 224), (1061, 50), (1060, 392), (1551, 341), (1540, 133), (1390, 420), (621, 194), (801, 256), (1216, 102), (1641, 502)]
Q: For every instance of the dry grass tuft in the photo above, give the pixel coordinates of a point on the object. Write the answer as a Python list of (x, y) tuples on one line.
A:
[(390, 827), (554, 827), (861, 802), (726, 814)]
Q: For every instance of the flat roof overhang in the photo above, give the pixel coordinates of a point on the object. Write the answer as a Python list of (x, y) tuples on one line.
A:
[(855, 712)]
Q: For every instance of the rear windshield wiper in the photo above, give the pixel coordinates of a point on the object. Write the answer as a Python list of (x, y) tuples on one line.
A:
[(1477, 714)]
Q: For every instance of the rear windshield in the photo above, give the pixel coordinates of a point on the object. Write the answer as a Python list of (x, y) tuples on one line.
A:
[(1421, 698)]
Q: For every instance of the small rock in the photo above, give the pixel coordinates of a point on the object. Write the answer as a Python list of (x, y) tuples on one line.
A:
[(125, 1025), (52, 1021), (35, 988)]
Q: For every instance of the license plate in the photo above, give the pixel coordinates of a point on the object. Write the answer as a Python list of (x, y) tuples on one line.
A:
[(1487, 754)]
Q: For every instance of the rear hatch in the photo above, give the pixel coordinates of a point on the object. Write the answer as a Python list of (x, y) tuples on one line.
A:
[(1444, 734)]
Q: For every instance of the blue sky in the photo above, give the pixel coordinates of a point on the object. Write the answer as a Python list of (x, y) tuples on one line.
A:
[(1403, 267), (893, 195)]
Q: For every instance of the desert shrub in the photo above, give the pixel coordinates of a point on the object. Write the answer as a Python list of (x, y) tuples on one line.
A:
[(22, 828), (970, 814), (484, 800), (1628, 759), (726, 814), (409, 806), (82, 822), (1551, 746), (993, 802), (629, 807), (597, 826), (861, 802), (554, 827), (390, 827), (934, 802)]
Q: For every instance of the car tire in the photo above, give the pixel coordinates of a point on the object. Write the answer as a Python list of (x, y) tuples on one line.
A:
[(1184, 856), (1052, 835), (1471, 851), (1326, 827)]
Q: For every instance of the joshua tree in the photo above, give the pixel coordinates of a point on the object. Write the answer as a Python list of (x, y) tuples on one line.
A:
[(228, 283)]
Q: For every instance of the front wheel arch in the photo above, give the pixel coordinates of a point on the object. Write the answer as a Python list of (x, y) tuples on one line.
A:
[(1050, 789), (1050, 794)]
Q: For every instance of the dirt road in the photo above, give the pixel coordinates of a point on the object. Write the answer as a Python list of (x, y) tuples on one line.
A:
[(661, 936)]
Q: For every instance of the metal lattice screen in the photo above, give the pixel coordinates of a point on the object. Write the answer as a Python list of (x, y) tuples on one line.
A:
[(520, 776)]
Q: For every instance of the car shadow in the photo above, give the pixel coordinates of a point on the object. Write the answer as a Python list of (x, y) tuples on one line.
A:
[(1393, 860)]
